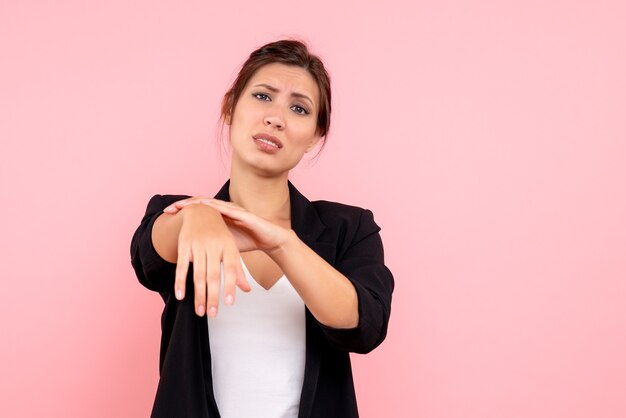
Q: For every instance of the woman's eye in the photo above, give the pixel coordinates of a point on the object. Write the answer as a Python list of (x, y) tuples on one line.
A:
[(261, 96), (300, 110)]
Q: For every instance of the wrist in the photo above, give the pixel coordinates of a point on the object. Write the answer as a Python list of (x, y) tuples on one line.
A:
[(286, 244)]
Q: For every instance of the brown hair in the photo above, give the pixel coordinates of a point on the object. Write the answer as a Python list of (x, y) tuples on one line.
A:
[(288, 52)]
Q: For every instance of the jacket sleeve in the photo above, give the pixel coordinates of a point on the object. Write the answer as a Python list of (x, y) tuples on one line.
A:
[(363, 264), (154, 272)]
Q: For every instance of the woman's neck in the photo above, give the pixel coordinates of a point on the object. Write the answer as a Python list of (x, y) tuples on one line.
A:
[(267, 197)]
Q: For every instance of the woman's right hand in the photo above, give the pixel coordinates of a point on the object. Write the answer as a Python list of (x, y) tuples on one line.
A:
[(206, 240)]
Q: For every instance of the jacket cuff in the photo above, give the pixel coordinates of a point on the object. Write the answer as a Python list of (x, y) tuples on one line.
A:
[(366, 335)]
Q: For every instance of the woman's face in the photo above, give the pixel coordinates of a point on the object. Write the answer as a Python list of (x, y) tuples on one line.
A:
[(275, 120)]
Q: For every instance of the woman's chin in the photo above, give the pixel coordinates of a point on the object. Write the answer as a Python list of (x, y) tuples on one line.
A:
[(263, 166)]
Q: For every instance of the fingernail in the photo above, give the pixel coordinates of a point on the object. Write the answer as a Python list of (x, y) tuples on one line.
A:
[(212, 311), (229, 299), (200, 310), (179, 294)]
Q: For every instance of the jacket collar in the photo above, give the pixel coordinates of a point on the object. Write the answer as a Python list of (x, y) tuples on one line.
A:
[(305, 220)]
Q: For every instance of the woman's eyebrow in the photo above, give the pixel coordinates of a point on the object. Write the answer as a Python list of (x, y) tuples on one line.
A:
[(275, 90)]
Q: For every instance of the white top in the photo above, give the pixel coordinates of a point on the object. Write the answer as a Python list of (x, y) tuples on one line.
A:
[(258, 352)]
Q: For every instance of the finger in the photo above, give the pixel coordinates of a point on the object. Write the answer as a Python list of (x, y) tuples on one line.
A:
[(182, 203), (192, 201), (243, 220), (199, 279), (231, 221), (179, 204), (242, 282), (213, 284), (182, 267), (171, 209), (232, 267), (225, 203)]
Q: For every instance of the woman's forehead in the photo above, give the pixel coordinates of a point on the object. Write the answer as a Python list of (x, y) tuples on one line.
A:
[(288, 78)]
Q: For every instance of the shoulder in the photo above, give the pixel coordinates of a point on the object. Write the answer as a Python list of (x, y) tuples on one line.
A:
[(336, 209), (335, 214)]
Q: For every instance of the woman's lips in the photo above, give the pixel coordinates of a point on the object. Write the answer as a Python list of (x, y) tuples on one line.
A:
[(267, 143)]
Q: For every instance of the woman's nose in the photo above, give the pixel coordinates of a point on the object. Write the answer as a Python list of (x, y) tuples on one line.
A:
[(275, 121)]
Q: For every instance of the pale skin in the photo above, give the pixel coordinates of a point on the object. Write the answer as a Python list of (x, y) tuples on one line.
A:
[(281, 101)]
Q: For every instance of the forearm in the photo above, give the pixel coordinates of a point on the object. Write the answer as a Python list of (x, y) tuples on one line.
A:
[(328, 294)]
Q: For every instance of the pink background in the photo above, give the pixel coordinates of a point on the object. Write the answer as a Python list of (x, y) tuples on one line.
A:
[(488, 137)]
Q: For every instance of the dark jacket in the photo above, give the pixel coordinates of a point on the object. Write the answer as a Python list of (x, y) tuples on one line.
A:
[(347, 238)]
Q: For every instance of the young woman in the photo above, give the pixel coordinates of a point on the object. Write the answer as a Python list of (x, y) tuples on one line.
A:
[(315, 286)]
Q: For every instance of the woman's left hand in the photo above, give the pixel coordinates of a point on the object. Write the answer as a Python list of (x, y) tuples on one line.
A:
[(251, 232)]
